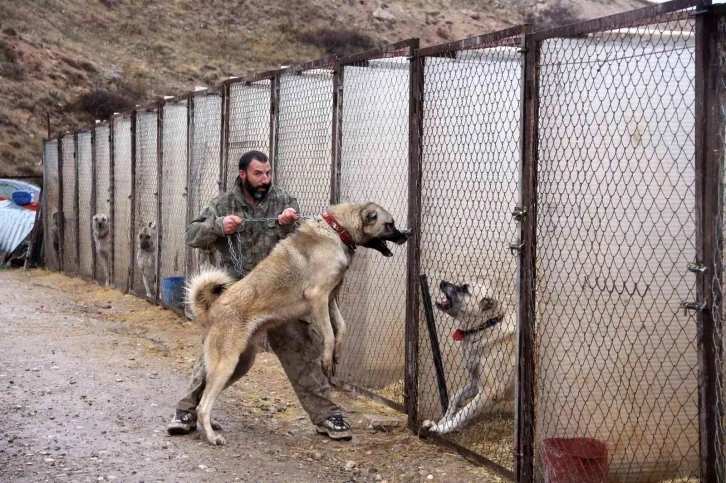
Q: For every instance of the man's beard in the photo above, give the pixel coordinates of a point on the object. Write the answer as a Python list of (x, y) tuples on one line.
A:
[(257, 192)]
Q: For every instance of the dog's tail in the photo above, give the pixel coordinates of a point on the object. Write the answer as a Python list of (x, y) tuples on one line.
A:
[(204, 289)]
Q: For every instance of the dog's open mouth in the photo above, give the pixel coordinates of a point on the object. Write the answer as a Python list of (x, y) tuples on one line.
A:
[(444, 303), (381, 246)]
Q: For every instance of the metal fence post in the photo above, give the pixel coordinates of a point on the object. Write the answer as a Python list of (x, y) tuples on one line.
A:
[(415, 130), (524, 412), (94, 194), (709, 176), (159, 192), (224, 143), (132, 221), (187, 189), (111, 202), (274, 117), (337, 133), (61, 222)]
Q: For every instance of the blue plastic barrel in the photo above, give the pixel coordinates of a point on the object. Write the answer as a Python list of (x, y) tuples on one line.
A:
[(172, 291)]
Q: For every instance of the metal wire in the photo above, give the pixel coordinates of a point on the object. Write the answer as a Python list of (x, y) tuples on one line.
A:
[(249, 123), (69, 204), (121, 228), (103, 183), (85, 186), (51, 216)]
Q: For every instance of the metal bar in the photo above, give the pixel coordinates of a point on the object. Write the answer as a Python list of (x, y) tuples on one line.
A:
[(132, 218), (224, 144), (618, 20), (61, 221), (94, 194), (76, 209), (337, 134), (708, 225), (325, 62), (478, 42), (435, 348), (475, 458), (159, 194), (366, 393), (399, 49), (415, 129), (188, 188), (111, 204), (274, 121), (525, 375)]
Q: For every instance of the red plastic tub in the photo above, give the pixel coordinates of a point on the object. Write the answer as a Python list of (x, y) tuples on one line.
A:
[(575, 460)]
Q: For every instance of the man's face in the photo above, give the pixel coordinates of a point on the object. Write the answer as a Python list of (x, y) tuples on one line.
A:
[(257, 179)]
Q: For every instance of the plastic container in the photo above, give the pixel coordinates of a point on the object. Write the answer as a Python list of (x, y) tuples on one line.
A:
[(575, 460), (22, 198), (172, 291)]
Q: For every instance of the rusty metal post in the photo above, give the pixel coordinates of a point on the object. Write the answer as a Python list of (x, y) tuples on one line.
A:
[(61, 221), (94, 194), (224, 144), (415, 131), (337, 133), (159, 193), (525, 375), (709, 176), (132, 218), (76, 210), (274, 118), (187, 189)]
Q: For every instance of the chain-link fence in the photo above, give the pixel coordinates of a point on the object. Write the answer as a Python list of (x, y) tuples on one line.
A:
[(146, 204), (51, 246), (102, 198), (122, 194), (84, 159), (172, 261), (557, 313)]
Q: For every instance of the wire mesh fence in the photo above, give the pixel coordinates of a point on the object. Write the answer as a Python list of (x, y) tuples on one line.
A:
[(558, 187), (68, 149), (204, 167), (102, 198), (469, 187), (172, 261), (51, 223), (146, 204), (249, 123), (374, 107), (122, 191), (302, 161), (85, 186)]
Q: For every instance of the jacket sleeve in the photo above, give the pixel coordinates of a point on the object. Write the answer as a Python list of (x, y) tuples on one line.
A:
[(286, 230), (206, 228)]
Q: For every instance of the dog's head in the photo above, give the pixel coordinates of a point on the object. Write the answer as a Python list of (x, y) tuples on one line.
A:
[(378, 227), (468, 304), (146, 236), (100, 223)]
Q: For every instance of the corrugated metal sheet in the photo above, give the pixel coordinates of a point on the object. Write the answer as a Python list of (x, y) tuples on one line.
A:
[(16, 223)]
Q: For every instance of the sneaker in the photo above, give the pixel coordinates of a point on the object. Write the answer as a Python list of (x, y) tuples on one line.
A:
[(335, 427), (183, 423)]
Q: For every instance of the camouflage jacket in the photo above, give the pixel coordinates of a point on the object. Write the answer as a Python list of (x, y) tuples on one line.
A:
[(256, 239)]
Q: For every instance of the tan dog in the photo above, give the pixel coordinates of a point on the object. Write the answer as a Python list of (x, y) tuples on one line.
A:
[(146, 256), (487, 333), (102, 242), (298, 280)]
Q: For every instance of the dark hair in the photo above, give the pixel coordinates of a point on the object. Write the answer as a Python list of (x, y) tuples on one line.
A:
[(250, 156)]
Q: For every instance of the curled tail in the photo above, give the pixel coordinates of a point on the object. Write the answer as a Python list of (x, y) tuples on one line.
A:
[(204, 289)]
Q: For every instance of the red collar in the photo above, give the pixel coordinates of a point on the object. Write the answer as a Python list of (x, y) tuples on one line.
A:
[(342, 232)]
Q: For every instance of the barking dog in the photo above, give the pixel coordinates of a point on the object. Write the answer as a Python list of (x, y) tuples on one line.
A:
[(145, 257), (298, 280), (487, 334), (102, 243)]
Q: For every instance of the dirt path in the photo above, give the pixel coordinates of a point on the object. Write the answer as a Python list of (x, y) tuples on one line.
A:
[(89, 377)]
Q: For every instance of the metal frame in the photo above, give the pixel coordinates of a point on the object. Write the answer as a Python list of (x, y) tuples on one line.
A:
[(111, 201), (159, 194), (94, 194)]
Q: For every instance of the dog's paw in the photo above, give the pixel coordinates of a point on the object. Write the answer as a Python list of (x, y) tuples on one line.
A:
[(217, 440), (430, 425)]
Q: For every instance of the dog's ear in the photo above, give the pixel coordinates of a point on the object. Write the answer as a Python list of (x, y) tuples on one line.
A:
[(369, 215), (486, 304)]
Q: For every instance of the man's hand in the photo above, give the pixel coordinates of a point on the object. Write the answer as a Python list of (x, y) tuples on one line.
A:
[(287, 217), (231, 224)]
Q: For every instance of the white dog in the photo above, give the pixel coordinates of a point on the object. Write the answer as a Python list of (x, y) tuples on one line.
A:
[(145, 257), (102, 243), (487, 334)]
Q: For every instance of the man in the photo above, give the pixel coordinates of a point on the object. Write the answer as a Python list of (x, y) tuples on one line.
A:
[(298, 346)]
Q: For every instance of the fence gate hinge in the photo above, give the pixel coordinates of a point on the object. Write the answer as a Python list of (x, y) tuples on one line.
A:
[(686, 306), (516, 247), (696, 267), (519, 213)]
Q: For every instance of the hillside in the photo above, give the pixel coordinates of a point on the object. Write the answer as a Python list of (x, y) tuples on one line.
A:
[(56, 56)]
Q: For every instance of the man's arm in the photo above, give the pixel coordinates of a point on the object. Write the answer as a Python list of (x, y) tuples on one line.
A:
[(287, 229), (206, 228)]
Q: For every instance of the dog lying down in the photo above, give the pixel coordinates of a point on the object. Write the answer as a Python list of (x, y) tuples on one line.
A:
[(487, 334), (298, 280)]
